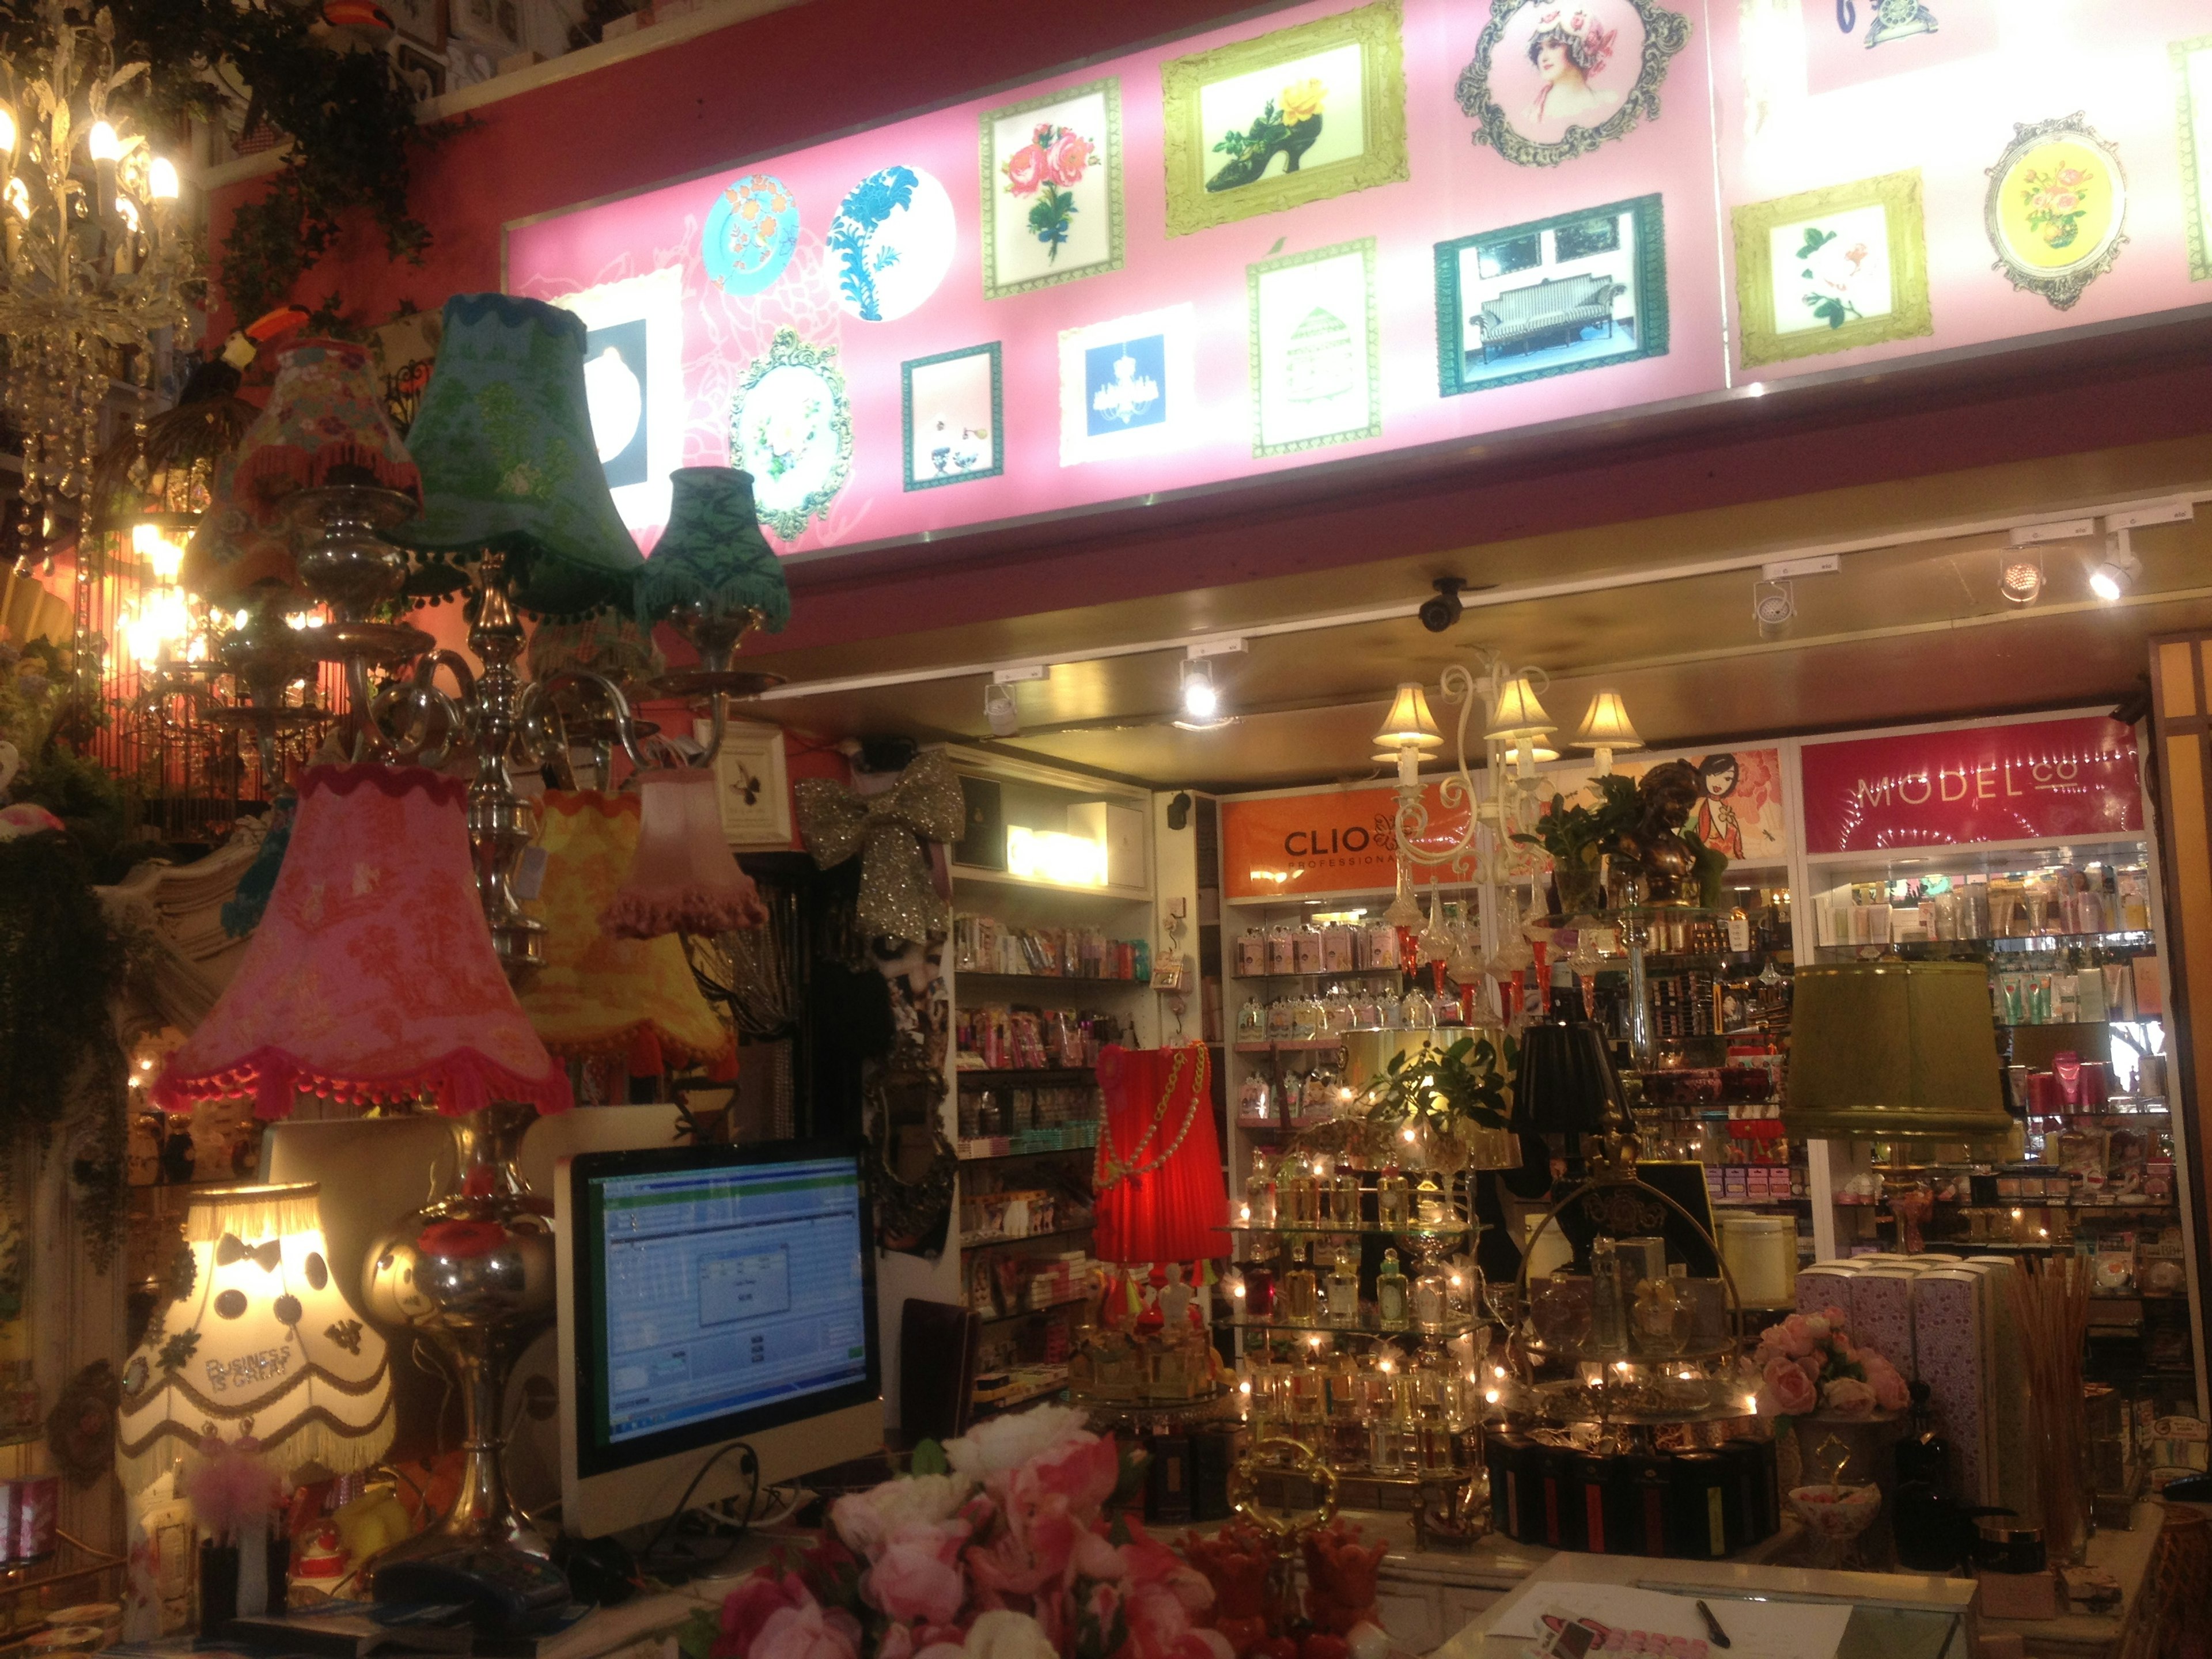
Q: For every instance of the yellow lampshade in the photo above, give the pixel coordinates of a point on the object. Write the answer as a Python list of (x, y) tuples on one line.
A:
[(261, 1343), (1518, 714), (1409, 724), (1879, 1049), (1607, 725)]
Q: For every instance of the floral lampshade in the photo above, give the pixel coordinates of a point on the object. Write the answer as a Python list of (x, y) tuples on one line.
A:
[(601, 995), (262, 1343), (504, 442), (712, 558), (684, 878), (228, 554), (372, 976), (323, 424)]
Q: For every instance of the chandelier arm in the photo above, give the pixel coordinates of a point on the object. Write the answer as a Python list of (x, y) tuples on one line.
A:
[(1456, 685), (531, 731)]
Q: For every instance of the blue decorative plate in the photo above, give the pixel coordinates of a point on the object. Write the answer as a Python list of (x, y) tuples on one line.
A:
[(750, 232), (890, 243)]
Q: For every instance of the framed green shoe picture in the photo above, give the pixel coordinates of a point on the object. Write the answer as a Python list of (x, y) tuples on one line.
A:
[(1832, 269), (1300, 115)]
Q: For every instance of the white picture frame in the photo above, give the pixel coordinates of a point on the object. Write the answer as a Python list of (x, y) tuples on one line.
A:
[(1316, 349), (1076, 167), (1128, 386), (752, 785), (634, 371)]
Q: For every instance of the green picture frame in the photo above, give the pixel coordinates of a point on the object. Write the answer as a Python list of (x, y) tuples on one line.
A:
[(1888, 206), (791, 426), (949, 468), (1227, 122), (1637, 265), (2194, 119), (1335, 364), (1010, 259)]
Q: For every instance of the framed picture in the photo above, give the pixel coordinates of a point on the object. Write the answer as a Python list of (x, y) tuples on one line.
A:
[(751, 234), (422, 21), (1832, 269), (634, 386), (953, 417), (2192, 75), (892, 242), (400, 354), (2056, 210), (755, 786), (1052, 189), (1300, 115), (1549, 81), (419, 69), (1315, 348), (1127, 386), (1575, 291), (791, 426)]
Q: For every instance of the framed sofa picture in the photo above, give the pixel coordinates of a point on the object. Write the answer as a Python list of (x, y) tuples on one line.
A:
[(2192, 75), (1052, 189), (1315, 348), (1830, 269), (2056, 210), (953, 413), (1296, 116), (1554, 296)]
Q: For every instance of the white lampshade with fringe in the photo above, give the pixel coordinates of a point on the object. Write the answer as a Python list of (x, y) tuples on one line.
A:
[(262, 1343)]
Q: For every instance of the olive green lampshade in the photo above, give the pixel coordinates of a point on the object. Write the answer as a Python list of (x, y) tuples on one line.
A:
[(711, 560), (503, 439), (1879, 1049)]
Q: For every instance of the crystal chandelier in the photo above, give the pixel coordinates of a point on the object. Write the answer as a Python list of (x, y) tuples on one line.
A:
[(96, 261)]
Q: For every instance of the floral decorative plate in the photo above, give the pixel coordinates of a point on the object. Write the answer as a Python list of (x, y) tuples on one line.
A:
[(791, 426), (892, 243), (750, 233)]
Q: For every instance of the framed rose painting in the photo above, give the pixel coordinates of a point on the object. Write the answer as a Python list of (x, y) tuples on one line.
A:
[(2056, 208), (1052, 188), (1832, 269)]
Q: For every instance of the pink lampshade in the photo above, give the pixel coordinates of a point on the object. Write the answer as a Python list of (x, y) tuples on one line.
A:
[(324, 424), (684, 878), (372, 976)]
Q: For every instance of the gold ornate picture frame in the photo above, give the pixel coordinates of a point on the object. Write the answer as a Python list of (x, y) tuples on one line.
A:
[(2192, 78), (1263, 125), (2057, 210), (1832, 269)]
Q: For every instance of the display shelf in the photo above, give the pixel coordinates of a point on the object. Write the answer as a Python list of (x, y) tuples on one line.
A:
[(966, 1243), (1040, 1309), (1026, 1395), (1566, 1402), (1288, 1045), (1449, 1330), (1393, 970), (1087, 981), (1019, 1077), (1057, 890), (1422, 1228)]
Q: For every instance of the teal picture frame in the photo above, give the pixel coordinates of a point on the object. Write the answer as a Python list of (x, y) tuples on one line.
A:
[(2194, 123), (915, 479), (1549, 330)]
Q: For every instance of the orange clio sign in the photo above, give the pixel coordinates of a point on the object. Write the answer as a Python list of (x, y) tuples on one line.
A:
[(1320, 842)]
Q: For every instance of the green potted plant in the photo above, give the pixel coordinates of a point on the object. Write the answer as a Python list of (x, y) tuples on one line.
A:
[(1577, 836)]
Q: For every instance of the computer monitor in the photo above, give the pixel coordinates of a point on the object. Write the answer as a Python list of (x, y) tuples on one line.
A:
[(710, 1295)]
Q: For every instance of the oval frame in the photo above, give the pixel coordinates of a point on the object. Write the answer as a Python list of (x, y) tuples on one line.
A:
[(787, 350), (1665, 34), (2060, 287)]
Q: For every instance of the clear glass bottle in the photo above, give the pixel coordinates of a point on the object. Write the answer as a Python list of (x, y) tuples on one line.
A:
[(1389, 1435), (1259, 1290), (1428, 1299), (1260, 1197), (1394, 1197), (1344, 1199), (1309, 1389), (1462, 1289), (1429, 1207), (1301, 1293), (1392, 1294), (1347, 1429), (1343, 1288), (1298, 1200)]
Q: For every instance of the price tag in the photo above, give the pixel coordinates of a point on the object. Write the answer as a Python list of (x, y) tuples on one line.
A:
[(1739, 934)]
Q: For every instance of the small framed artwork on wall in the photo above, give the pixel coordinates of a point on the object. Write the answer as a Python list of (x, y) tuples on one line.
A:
[(755, 788), (2056, 210), (1127, 386), (2192, 75), (1300, 115), (953, 413), (1052, 189), (1314, 350), (1830, 269), (1578, 290)]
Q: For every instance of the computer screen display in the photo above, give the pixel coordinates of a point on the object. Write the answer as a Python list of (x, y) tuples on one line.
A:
[(722, 1292)]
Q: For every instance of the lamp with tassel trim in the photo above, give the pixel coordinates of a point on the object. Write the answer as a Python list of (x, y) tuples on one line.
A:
[(685, 877)]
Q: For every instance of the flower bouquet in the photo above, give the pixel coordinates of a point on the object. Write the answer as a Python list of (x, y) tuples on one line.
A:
[(1808, 1363), (1007, 1543)]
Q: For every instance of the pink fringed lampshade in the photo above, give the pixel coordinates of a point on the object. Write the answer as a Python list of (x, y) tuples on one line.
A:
[(1159, 1168), (684, 878), (372, 976), (323, 425)]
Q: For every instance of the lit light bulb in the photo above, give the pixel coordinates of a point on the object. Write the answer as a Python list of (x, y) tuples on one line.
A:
[(1406, 1133), (101, 143), (166, 556), (1238, 1290), (1385, 1366), (1245, 1386), (1751, 1405), (1244, 1213), (1491, 1394), (1499, 1371), (162, 180), (7, 130), (19, 198), (1621, 1365)]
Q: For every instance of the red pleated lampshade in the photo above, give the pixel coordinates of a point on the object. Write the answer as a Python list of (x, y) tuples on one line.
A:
[(684, 878), (1159, 1174), (372, 976)]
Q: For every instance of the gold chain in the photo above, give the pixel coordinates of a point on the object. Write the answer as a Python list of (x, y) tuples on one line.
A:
[(1112, 1168)]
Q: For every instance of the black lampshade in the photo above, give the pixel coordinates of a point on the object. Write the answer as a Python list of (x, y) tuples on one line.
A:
[(1567, 1085)]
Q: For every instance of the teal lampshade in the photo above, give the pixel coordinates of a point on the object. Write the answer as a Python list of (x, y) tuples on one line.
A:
[(503, 439), (711, 560)]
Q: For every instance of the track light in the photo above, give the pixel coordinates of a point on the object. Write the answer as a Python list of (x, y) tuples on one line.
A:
[(2020, 581), (1773, 606), (1201, 698), (1002, 711), (2117, 574)]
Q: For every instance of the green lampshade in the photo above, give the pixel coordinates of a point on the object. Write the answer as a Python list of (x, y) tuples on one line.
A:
[(711, 559), (503, 439), (1879, 1049)]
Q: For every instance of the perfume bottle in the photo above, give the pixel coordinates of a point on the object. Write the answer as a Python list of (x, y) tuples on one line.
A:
[(1299, 1197), (1344, 1289), (1258, 1198), (1344, 1199), (1429, 1301), (1391, 1292), (1309, 1389), (1390, 1432), (1462, 1289), (1347, 1429), (1429, 1203), (1259, 1291), (1393, 1198), (1301, 1295), (1607, 1332)]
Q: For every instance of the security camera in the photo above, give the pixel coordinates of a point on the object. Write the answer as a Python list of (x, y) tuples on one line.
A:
[(1441, 612)]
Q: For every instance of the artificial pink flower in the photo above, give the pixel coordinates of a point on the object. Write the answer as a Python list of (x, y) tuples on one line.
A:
[(1069, 157), (1788, 1391), (750, 1606), (1026, 170), (1815, 1326), (1792, 1337), (1849, 1396), (807, 1633), (1834, 1316), (1890, 1389), (917, 1574), (1811, 1364), (1085, 1472)]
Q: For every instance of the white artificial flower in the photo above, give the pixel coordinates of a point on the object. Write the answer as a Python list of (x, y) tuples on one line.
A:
[(1006, 1443), (1000, 1634), (863, 1520)]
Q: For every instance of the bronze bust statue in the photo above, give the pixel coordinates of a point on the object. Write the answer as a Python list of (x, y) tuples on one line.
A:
[(1652, 847)]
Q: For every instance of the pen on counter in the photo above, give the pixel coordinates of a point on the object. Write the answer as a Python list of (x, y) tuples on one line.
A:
[(1720, 1637)]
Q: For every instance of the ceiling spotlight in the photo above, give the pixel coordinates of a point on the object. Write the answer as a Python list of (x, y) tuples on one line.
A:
[(1002, 711), (1201, 698), (1773, 606), (2117, 574), (2020, 581)]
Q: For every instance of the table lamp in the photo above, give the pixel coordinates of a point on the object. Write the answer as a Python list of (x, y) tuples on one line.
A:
[(683, 878), (601, 996), (1885, 1049), (262, 1344), (1567, 1085), (1158, 1173)]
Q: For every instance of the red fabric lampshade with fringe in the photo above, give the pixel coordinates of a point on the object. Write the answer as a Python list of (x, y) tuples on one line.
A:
[(684, 878), (372, 976), (1158, 1168)]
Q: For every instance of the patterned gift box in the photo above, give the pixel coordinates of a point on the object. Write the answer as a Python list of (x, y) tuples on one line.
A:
[(1951, 1347), (1881, 1313), (1825, 1285), (2007, 1389)]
